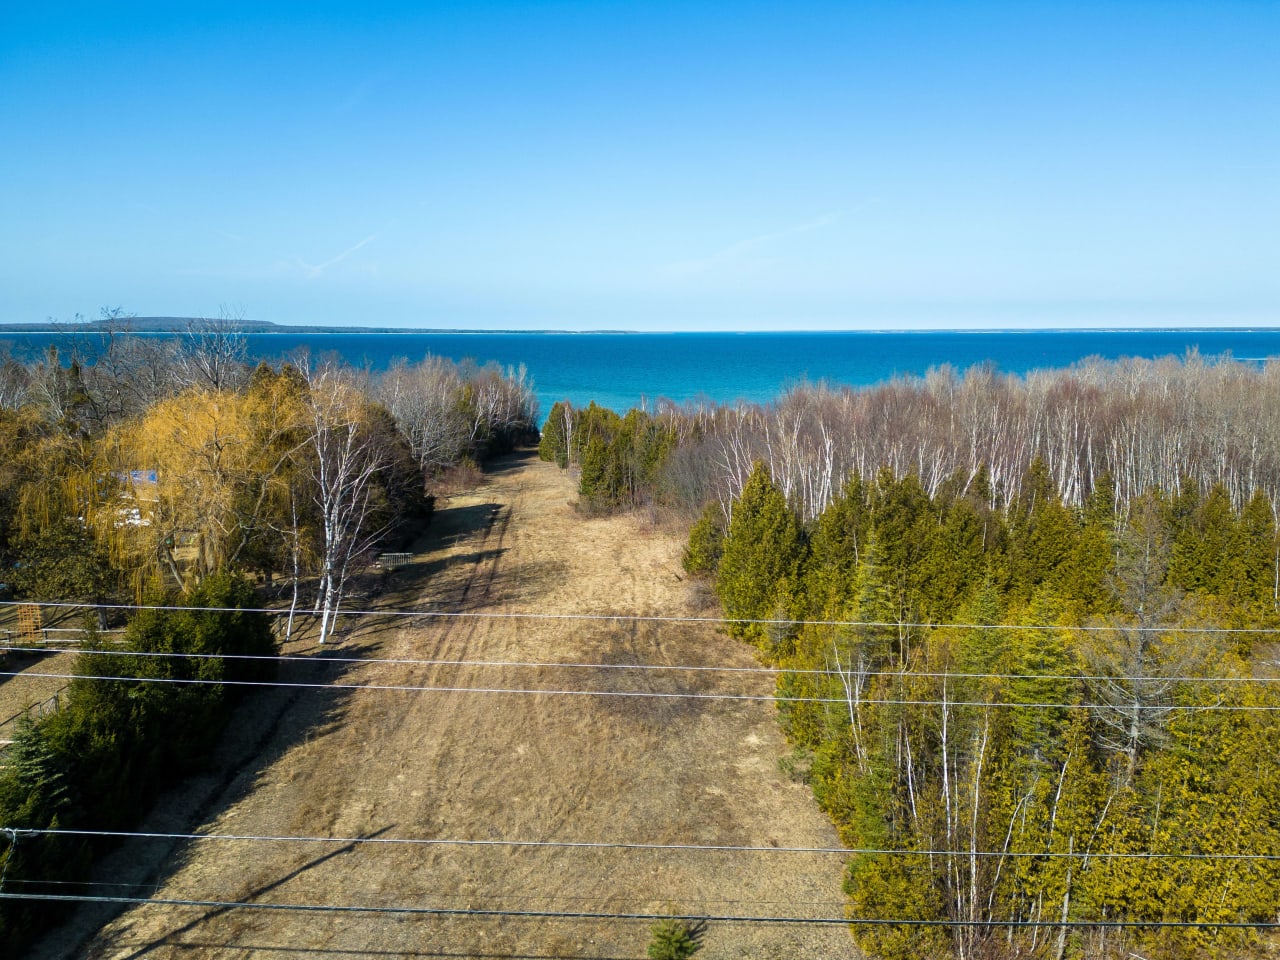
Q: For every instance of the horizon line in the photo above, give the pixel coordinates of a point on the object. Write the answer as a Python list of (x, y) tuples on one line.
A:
[(286, 327)]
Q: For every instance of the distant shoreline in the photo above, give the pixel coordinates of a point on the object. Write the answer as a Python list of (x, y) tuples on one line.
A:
[(180, 325), (257, 327), (621, 370)]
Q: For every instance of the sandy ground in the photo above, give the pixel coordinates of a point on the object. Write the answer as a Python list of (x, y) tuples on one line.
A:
[(414, 764)]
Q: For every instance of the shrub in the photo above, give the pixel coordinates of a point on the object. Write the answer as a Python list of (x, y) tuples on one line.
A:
[(674, 939), (706, 541)]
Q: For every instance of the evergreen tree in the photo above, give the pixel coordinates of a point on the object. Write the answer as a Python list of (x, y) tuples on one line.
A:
[(673, 940), (1042, 532), (706, 541), (892, 579), (35, 794), (1213, 539), (34, 790), (836, 549), (553, 445), (1080, 577), (1182, 514), (982, 650), (955, 562), (1255, 568), (878, 602), (593, 483), (1100, 508), (61, 561), (763, 547)]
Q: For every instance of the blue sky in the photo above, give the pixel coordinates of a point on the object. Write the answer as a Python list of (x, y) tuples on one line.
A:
[(644, 166)]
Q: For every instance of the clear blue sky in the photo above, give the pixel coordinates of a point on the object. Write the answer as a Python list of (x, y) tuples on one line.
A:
[(643, 166)]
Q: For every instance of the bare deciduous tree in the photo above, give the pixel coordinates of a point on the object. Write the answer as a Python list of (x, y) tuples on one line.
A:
[(15, 382), (345, 456), (214, 352), (1145, 423), (449, 411), (1138, 668)]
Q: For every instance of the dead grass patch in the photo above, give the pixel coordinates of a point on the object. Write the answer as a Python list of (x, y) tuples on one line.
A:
[(500, 766)]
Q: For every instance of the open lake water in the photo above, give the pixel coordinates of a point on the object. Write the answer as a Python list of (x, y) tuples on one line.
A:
[(620, 370)]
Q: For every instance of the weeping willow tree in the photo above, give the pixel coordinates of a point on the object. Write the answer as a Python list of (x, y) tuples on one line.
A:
[(199, 480), (60, 558)]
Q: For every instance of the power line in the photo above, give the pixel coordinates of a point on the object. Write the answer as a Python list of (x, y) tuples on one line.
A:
[(638, 916), (657, 695), (653, 618), (522, 896), (623, 845), (654, 667)]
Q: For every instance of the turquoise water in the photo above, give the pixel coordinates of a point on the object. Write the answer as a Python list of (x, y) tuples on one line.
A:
[(620, 369)]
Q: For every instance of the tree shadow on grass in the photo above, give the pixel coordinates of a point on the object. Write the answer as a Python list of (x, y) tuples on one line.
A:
[(440, 565), (510, 462), (662, 698), (267, 949), (251, 895), (452, 525), (265, 725)]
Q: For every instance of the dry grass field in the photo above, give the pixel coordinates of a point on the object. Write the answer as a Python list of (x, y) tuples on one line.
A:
[(23, 693), (392, 764)]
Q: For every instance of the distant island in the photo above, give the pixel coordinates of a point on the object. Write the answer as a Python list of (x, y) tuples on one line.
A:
[(183, 324)]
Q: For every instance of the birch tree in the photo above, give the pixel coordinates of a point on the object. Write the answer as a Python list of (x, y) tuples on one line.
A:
[(214, 352), (344, 458)]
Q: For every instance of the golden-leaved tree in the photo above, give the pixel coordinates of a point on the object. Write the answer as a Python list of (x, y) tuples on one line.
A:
[(199, 476)]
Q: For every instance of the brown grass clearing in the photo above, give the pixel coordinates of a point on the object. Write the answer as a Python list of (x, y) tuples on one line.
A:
[(422, 764)]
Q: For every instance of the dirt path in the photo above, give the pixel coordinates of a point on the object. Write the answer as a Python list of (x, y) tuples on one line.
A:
[(394, 764)]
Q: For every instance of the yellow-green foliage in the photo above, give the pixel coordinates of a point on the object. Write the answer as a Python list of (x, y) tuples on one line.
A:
[(621, 458), (100, 761), (1058, 754), (553, 444), (706, 541), (762, 550)]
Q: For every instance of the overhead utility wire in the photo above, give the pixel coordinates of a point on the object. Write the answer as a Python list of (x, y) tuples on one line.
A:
[(622, 845), (647, 917), (655, 667), (645, 694), (523, 897), (651, 618)]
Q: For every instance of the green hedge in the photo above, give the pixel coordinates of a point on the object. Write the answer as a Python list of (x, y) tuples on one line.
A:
[(103, 759)]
